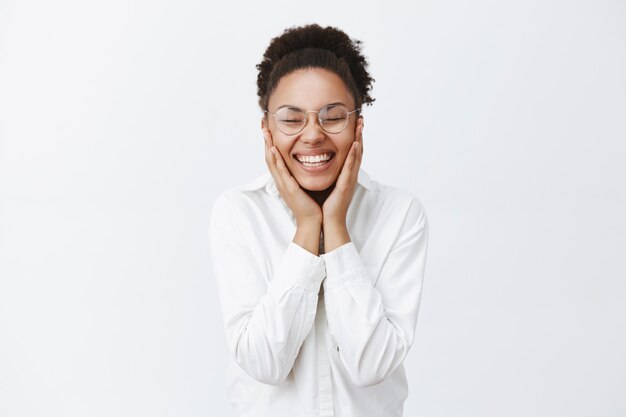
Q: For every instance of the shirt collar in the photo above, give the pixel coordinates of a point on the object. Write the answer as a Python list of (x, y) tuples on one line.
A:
[(267, 181)]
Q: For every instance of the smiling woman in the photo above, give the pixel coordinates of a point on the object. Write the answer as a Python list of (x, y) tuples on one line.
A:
[(301, 136), (319, 268)]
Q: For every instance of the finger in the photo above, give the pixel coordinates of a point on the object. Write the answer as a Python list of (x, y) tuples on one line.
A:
[(355, 162), (360, 136), (285, 175), (276, 161), (348, 166), (267, 146), (268, 137), (354, 151), (359, 133), (359, 140), (270, 157), (280, 162), (360, 150)]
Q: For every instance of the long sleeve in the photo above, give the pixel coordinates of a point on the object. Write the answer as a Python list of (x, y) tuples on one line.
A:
[(374, 326), (266, 318)]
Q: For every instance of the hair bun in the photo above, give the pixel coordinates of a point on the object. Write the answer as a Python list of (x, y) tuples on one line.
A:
[(294, 49)]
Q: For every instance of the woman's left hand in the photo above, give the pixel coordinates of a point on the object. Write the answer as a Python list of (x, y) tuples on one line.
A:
[(335, 208)]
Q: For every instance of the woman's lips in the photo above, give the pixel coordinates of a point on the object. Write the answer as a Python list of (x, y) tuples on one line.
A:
[(316, 163)]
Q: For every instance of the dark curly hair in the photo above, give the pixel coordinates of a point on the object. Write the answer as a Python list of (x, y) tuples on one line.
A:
[(313, 46)]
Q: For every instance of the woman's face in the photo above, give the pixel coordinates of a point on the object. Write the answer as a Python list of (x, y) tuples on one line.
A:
[(312, 89)]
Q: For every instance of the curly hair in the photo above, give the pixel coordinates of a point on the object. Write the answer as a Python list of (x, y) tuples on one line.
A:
[(313, 46)]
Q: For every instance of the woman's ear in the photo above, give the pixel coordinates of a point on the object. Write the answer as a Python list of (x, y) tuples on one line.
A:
[(263, 123)]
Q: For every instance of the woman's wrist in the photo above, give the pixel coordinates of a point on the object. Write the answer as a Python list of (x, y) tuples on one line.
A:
[(335, 234), (308, 235), (310, 221)]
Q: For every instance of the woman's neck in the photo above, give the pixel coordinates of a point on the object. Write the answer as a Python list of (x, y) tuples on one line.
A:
[(320, 196)]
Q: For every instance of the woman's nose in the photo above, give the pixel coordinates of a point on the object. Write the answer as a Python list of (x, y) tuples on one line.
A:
[(312, 132)]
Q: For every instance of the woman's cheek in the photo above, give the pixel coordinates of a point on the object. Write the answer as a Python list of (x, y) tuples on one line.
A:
[(283, 147)]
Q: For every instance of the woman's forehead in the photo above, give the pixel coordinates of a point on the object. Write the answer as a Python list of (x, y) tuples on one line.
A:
[(310, 88)]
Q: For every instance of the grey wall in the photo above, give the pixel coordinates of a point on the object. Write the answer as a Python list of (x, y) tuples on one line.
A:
[(121, 121)]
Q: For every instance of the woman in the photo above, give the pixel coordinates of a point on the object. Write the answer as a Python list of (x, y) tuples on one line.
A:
[(319, 268)]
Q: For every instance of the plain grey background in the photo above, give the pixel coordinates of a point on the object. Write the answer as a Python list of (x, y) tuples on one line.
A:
[(121, 121)]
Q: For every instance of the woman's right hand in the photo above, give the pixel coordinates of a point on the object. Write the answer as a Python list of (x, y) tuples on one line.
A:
[(307, 212)]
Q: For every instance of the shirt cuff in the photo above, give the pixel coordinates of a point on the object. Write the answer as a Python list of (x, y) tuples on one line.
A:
[(343, 264), (299, 268)]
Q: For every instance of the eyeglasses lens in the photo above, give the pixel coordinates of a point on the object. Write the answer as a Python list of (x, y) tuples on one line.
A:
[(334, 118), (291, 120)]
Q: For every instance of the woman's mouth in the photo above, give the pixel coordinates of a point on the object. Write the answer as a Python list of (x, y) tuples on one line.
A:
[(314, 161)]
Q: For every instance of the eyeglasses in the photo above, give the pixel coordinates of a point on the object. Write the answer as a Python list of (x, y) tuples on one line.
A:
[(333, 118)]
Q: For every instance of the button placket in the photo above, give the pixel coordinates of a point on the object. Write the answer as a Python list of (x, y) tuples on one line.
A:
[(323, 363)]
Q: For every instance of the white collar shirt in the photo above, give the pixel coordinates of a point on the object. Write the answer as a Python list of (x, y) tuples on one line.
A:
[(318, 336)]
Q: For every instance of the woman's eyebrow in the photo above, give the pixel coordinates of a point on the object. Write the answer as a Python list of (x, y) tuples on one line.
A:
[(334, 104), (299, 108), (291, 106)]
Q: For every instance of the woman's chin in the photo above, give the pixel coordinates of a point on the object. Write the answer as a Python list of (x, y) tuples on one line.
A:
[(316, 184)]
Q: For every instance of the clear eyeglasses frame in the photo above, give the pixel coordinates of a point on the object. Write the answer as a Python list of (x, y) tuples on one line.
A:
[(332, 118)]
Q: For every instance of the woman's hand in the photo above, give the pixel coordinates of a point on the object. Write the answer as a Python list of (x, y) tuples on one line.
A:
[(307, 212), (335, 208)]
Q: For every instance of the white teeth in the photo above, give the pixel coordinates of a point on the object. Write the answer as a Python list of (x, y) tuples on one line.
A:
[(314, 159)]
